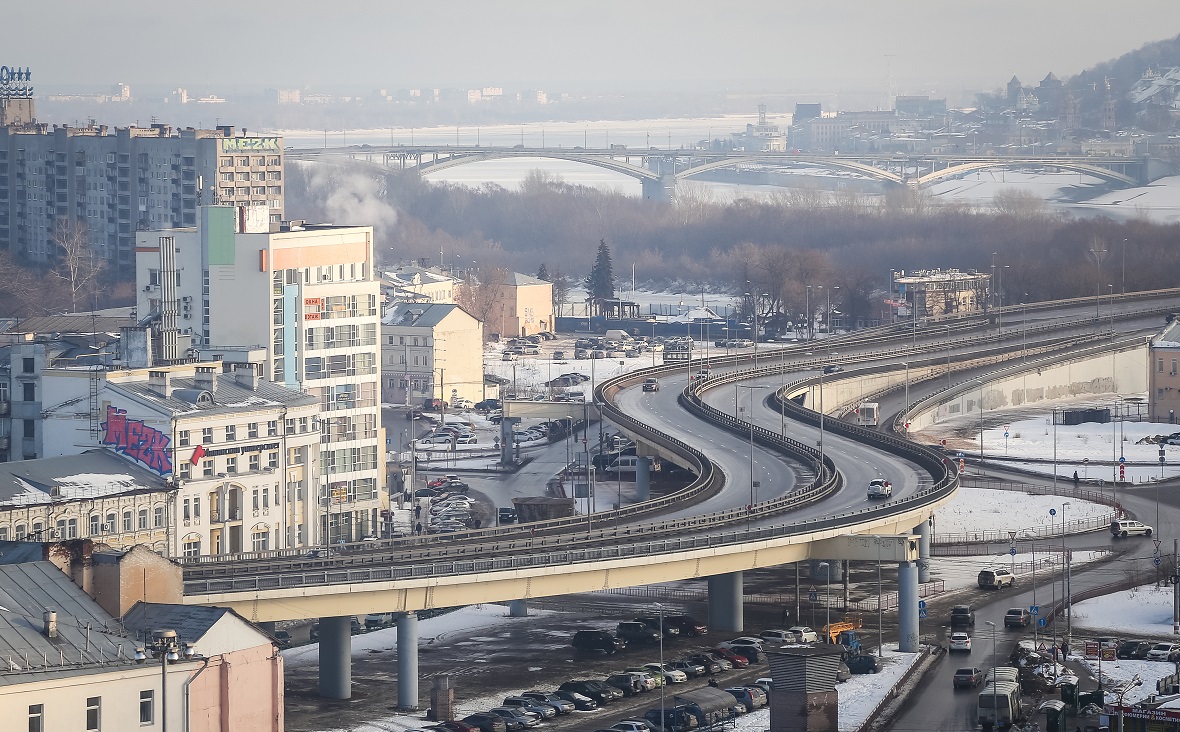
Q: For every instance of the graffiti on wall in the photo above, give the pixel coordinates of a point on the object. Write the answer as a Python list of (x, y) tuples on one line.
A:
[(136, 440)]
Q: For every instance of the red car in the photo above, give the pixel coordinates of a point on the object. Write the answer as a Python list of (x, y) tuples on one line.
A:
[(737, 660)]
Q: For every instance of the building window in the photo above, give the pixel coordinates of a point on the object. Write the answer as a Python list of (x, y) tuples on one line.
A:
[(111, 523), (261, 541), (255, 463), (186, 470), (36, 718), (158, 517), (72, 529), (207, 468), (272, 428), (290, 425), (187, 505), (1173, 371), (207, 436), (147, 704), (231, 433), (303, 423), (128, 521), (255, 499), (184, 438), (27, 365), (95, 524), (30, 392), (231, 464), (1159, 365), (143, 518), (3, 533), (192, 549), (94, 714), (272, 459), (197, 508), (252, 430), (29, 428), (265, 498)]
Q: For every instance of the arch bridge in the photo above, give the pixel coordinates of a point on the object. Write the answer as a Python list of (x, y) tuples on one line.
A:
[(658, 170)]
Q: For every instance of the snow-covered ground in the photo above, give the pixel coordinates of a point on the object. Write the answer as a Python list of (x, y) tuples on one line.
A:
[(1032, 439), (1145, 610), (960, 572), (979, 510)]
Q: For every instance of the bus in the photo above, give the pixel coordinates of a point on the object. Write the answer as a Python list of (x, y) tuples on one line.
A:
[(868, 414)]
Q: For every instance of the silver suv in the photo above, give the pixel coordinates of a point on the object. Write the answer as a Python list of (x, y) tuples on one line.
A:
[(1126, 527)]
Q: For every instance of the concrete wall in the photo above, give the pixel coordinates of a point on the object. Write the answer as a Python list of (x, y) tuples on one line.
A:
[(239, 690), (120, 581)]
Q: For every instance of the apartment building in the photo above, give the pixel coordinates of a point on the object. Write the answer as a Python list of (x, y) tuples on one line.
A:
[(303, 301), (522, 306), (238, 455), (418, 284), (1163, 378), (431, 351), (117, 182)]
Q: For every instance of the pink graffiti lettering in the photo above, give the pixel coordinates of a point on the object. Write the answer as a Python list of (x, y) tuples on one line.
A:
[(133, 438)]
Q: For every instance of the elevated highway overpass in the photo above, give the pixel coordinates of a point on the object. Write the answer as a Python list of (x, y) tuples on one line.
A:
[(706, 530)]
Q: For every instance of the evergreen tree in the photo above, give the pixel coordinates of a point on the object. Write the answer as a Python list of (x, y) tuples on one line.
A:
[(543, 272), (601, 282)]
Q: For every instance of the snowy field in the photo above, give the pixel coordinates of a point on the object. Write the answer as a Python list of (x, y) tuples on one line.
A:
[(1144, 610), (984, 509), (963, 572)]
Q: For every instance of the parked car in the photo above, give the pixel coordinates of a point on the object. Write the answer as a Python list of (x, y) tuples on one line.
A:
[(967, 677), (804, 634), (488, 405), (627, 683), (1164, 652), (599, 691), (670, 631), (635, 632), (995, 578), (1122, 528), (712, 664), (373, 621), (673, 675), (778, 636), (546, 710), (688, 625), (486, 722), (962, 615), (751, 696), (744, 641), (691, 668), (451, 725), (958, 642), (598, 640), (581, 702), (880, 488), (741, 652), (631, 725), (515, 718), (647, 680), (1136, 649), (1017, 617), (863, 664)]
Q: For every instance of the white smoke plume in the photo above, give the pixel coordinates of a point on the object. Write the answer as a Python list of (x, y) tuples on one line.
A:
[(351, 198)]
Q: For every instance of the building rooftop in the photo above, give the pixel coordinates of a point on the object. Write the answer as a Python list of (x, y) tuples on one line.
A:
[(92, 474), (88, 639), (186, 397), (419, 315), (517, 279), (190, 622), (1169, 337), (928, 275)]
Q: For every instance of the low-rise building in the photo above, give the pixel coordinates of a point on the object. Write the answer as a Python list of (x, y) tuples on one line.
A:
[(431, 351), (418, 284), (521, 306), (1163, 377), (933, 292)]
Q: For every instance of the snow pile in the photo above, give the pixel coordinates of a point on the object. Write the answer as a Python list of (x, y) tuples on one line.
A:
[(1144, 610)]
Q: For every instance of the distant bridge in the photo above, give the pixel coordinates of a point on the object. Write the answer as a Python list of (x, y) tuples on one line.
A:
[(659, 169)]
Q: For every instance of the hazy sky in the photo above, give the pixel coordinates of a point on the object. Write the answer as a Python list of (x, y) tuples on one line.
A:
[(766, 46)]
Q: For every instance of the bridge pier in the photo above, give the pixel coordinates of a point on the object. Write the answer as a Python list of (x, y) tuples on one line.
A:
[(407, 662), (923, 532), (725, 602), (518, 608), (336, 657), (642, 478), (662, 190), (907, 607)]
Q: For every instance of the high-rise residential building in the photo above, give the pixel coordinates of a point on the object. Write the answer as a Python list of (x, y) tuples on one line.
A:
[(302, 300), (112, 184)]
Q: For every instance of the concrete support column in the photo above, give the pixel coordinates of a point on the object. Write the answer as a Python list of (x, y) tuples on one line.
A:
[(662, 190), (923, 532), (407, 662), (725, 602), (336, 657), (907, 606), (518, 609), (642, 478)]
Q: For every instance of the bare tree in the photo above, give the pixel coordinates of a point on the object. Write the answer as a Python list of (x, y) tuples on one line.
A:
[(480, 295), (1019, 203), (78, 265)]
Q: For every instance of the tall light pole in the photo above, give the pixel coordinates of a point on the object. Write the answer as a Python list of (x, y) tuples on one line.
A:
[(1066, 599), (827, 599), (663, 722), (1124, 286), (166, 646), (977, 381), (807, 309), (828, 310), (906, 408)]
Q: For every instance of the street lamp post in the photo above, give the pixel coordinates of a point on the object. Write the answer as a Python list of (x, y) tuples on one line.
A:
[(753, 483), (166, 646), (663, 722), (827, 598), (995, 679), (1135, 681), (980, 421), (807, 309), (1065, 598), (906, 408)]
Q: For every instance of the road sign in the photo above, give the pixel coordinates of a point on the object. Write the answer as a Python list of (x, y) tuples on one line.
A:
[(1005, 433), (959, 455), (1052, 511), (921, 613), (1161, 458), (1042, 622), (1157, 561), (1085, 460), (1158, 544), (1011, 536), (1034, 609), (1012, 550), (921, 604), (1122, 460), (812, 596)]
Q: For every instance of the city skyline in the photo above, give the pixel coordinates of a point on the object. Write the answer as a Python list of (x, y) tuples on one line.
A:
[(749, 46)]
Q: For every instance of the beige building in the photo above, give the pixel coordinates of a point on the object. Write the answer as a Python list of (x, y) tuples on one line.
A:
[(83, 670), (304, 300), (431, 351), (523, 305), (418, 284), (235, 459), (1163, 379), (933, 292)]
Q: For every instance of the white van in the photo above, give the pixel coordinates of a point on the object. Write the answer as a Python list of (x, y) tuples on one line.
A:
[(623, 464)]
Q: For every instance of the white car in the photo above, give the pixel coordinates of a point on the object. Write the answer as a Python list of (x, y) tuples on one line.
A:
[(958, 642), (880, 488), (742, 642), (804, 634), (1164, 652), (675, 675), (779, 636)]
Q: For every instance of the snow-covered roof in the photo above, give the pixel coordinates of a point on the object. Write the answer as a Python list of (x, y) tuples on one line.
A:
[(92, 474), (1169, 337)]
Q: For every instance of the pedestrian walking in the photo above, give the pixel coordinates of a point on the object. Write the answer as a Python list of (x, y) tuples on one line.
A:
[(1075, 479), (418, 528), (418, 511)]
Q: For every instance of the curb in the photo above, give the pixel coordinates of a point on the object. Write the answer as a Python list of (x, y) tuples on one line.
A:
[(882, 717)]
